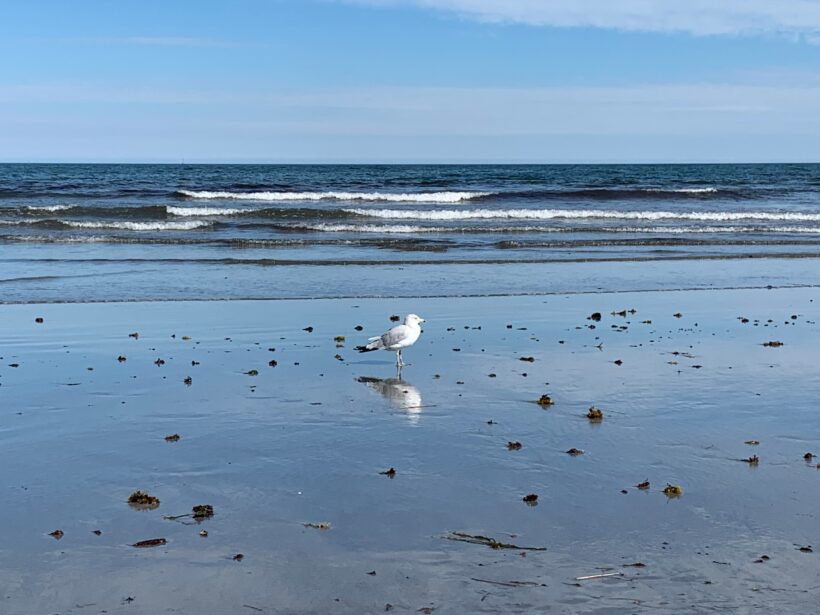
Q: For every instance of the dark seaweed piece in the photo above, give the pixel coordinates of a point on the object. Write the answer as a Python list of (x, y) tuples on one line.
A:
[(487, 541), (152, 542)]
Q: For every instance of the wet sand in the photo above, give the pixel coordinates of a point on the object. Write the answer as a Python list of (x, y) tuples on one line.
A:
[(306, 442)]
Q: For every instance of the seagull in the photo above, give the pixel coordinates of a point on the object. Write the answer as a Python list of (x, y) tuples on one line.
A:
[(398, 338)]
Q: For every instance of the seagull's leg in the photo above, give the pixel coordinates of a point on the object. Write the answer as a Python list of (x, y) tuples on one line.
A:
[(399, 360)]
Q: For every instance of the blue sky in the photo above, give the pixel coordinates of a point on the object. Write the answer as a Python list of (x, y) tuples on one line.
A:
[(410, 80)]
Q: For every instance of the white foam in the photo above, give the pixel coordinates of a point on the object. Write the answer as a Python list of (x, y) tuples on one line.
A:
[(374, 228), (400, 197), (48, 207), (678, 230), (569, 214), (187, 225), (684, 190), (204, 211)]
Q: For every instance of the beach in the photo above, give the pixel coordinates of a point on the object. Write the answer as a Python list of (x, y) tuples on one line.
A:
[(294, 456)]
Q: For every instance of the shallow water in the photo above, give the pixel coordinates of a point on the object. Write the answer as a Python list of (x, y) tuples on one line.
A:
[(305, 441)]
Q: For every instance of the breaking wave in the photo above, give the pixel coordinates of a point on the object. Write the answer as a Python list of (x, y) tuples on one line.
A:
[(552, 214), (186, 225), (401, 197)]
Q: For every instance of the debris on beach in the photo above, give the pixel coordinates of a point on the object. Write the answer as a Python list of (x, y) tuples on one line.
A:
[(487, 541), (514, 446), (121, 358), (339, 357), (308, 329), (773, 344), (545, 400), (530, 499), (596, 316), (395, 318), (159, 362), (339, 339), (677, 315), (203, 533), (509, 583), (202, 511), (491, 375), (135, 335), (528, 359), (575, 452), (643, 486), (672, 491), (188, 380), (390, 473), (238, 557), (620, 313), (595, 414), (39, 320), (359, 328), (97, 532), (806, 549), (318, 526), (252, 372), (273, 363), (57, 534), (174, 437), (752, 461), (143, 499), (603, 575), (152, 542), (618, 362), (752, 442)]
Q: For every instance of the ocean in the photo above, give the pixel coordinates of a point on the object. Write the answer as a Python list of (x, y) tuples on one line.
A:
[(88, 232)]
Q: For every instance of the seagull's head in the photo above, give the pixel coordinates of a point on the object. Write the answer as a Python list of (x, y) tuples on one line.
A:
[(413, 320)]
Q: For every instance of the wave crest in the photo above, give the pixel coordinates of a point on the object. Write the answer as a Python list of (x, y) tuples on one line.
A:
[(553, 214), (400, 197)]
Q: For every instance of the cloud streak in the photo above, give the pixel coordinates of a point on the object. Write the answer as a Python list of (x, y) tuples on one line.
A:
[(698, 17)]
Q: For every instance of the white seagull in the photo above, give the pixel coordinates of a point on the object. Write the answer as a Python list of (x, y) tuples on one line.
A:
[(398, 338)]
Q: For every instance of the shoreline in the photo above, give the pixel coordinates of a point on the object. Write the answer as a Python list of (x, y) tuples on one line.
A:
[(768, 287)]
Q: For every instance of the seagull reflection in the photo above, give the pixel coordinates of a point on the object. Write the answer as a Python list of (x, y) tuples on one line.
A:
[(399, 394)]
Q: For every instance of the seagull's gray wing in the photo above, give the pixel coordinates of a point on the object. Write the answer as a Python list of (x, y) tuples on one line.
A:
[(397, 334)]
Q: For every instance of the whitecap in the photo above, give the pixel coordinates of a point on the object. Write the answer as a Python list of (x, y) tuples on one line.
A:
[(400, 197)]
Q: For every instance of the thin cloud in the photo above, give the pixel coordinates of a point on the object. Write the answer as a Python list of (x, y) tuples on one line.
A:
[(698, 17)]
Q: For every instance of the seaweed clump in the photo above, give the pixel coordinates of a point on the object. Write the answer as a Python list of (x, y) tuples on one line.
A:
[(673, 491), (142, 499), (202, 511), (595, 414)]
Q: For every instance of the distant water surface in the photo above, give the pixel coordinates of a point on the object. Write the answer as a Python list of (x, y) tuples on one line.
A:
[(153, 229)]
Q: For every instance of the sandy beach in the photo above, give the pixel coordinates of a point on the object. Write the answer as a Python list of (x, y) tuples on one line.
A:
[(292, 456)]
